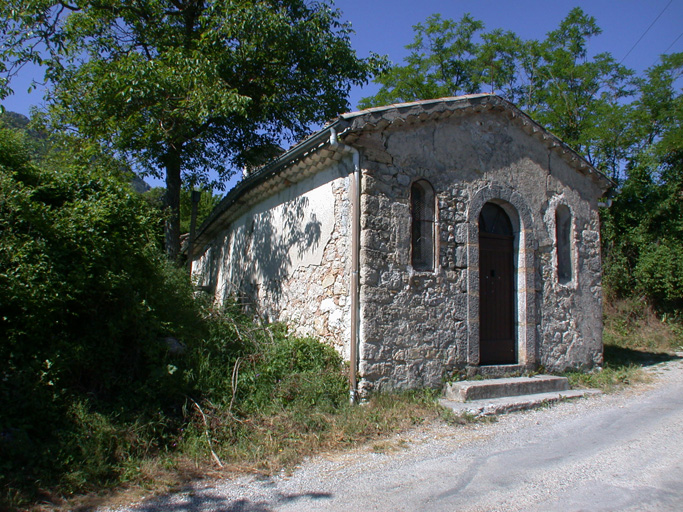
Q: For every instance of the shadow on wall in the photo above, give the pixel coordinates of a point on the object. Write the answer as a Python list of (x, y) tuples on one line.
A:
[(266, 248)]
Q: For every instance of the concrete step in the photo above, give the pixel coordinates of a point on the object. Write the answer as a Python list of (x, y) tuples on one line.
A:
[(502, 405), (466, 390)]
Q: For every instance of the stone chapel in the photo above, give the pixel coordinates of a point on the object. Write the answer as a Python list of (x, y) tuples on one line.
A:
[(420, 239)]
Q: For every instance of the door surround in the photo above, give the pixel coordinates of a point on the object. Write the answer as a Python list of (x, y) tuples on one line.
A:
[(524, 307)]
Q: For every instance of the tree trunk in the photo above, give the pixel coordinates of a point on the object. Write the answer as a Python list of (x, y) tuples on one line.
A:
[(173, 183)]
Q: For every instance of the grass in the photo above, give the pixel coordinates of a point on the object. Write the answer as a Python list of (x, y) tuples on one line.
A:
[(288, 401), (269, 442), (634, 337), (292, 403)]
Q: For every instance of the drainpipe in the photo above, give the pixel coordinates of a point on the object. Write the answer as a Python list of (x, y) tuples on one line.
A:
[(355, 259)]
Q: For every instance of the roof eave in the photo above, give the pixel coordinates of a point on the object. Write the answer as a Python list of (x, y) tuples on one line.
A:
[(378, 118), (306, 147)]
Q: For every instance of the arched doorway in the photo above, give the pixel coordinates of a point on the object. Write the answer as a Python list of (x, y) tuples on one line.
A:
[(496, 287)]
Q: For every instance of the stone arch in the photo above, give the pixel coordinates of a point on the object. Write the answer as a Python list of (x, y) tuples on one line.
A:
[(524, 268)]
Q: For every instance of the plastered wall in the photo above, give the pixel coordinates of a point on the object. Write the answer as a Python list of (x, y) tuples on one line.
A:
[(288, 256)]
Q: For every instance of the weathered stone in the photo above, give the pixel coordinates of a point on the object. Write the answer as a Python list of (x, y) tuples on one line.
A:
[(328, 280), (460, 257), (418, 326), (403, 180)]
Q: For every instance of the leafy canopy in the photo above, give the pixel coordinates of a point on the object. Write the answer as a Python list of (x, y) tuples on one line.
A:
[(643, 231), (183, 87), (627, 126), (554, 80), (87, 298)]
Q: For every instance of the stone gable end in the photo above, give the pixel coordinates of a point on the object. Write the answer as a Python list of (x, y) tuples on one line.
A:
[(292, 252)]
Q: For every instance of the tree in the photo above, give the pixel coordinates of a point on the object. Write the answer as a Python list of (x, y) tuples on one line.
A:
[(87, 299), (442, 62), (183, 87), (579, 98), (207, 202), (497, 59), (643, 231)]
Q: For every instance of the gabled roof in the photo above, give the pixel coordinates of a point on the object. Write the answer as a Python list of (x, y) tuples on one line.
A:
[(315, 152)]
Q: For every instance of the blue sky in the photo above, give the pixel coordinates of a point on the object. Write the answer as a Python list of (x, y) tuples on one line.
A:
[(385, 27)]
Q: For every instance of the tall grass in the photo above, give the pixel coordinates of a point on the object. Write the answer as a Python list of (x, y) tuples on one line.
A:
[(634, 336), (249, 397)]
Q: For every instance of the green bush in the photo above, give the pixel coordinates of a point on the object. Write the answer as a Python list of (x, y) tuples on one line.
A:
[(90, 388), (87, 300), (252, 368), (296, 372), (643, 237)]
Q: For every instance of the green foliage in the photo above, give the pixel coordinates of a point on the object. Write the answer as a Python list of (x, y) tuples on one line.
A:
[(609, 378), (635, 336), (91, 386), (296, 372), (441, 63), (643, 231), (183, 87), (251, 368), (631, 324), (87, 299), (107, 351), (578, 98), (207, 203), (629, 127)]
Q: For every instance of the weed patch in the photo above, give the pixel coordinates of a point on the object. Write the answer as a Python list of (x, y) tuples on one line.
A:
[(632, 324), (634, 337), (254, 400)]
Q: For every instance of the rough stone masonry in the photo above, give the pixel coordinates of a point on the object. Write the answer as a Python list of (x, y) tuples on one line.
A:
[(284, 240)]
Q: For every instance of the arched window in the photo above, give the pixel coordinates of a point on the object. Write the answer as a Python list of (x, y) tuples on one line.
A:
[(422, 207), (563, 234)]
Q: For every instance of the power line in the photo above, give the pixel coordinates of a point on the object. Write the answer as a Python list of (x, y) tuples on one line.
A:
[(675, 41), (646, 31)]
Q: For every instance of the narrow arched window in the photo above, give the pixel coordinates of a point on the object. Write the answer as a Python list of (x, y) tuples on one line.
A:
[(563, 234), (422, 207)]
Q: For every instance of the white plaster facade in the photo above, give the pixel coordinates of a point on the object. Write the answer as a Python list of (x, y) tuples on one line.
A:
[(285, 240)]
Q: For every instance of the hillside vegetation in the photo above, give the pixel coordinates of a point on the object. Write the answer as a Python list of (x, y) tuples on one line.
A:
[(116, 371)]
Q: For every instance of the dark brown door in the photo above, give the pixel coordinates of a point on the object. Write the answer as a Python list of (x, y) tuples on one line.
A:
[(496, 288)]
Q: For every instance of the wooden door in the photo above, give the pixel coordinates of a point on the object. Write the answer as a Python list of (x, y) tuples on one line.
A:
[(496, 292)]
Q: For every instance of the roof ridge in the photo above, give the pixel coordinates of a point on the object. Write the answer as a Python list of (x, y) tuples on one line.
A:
[(416, 103)]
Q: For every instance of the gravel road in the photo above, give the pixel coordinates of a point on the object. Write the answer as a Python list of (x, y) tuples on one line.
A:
[(622, 451)]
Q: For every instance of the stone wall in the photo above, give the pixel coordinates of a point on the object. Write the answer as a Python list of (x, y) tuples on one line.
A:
[(419, 327), (289, 256), (291, 253)]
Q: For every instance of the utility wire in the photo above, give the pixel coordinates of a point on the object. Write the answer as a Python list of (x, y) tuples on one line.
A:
[(646, 31), (675, 41)]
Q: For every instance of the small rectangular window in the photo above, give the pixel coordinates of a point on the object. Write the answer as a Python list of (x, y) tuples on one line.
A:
[(423, 218), (563, 228)]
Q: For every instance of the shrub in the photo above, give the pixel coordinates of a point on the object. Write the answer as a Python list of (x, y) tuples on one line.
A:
[(90, 389), (87, 299)]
